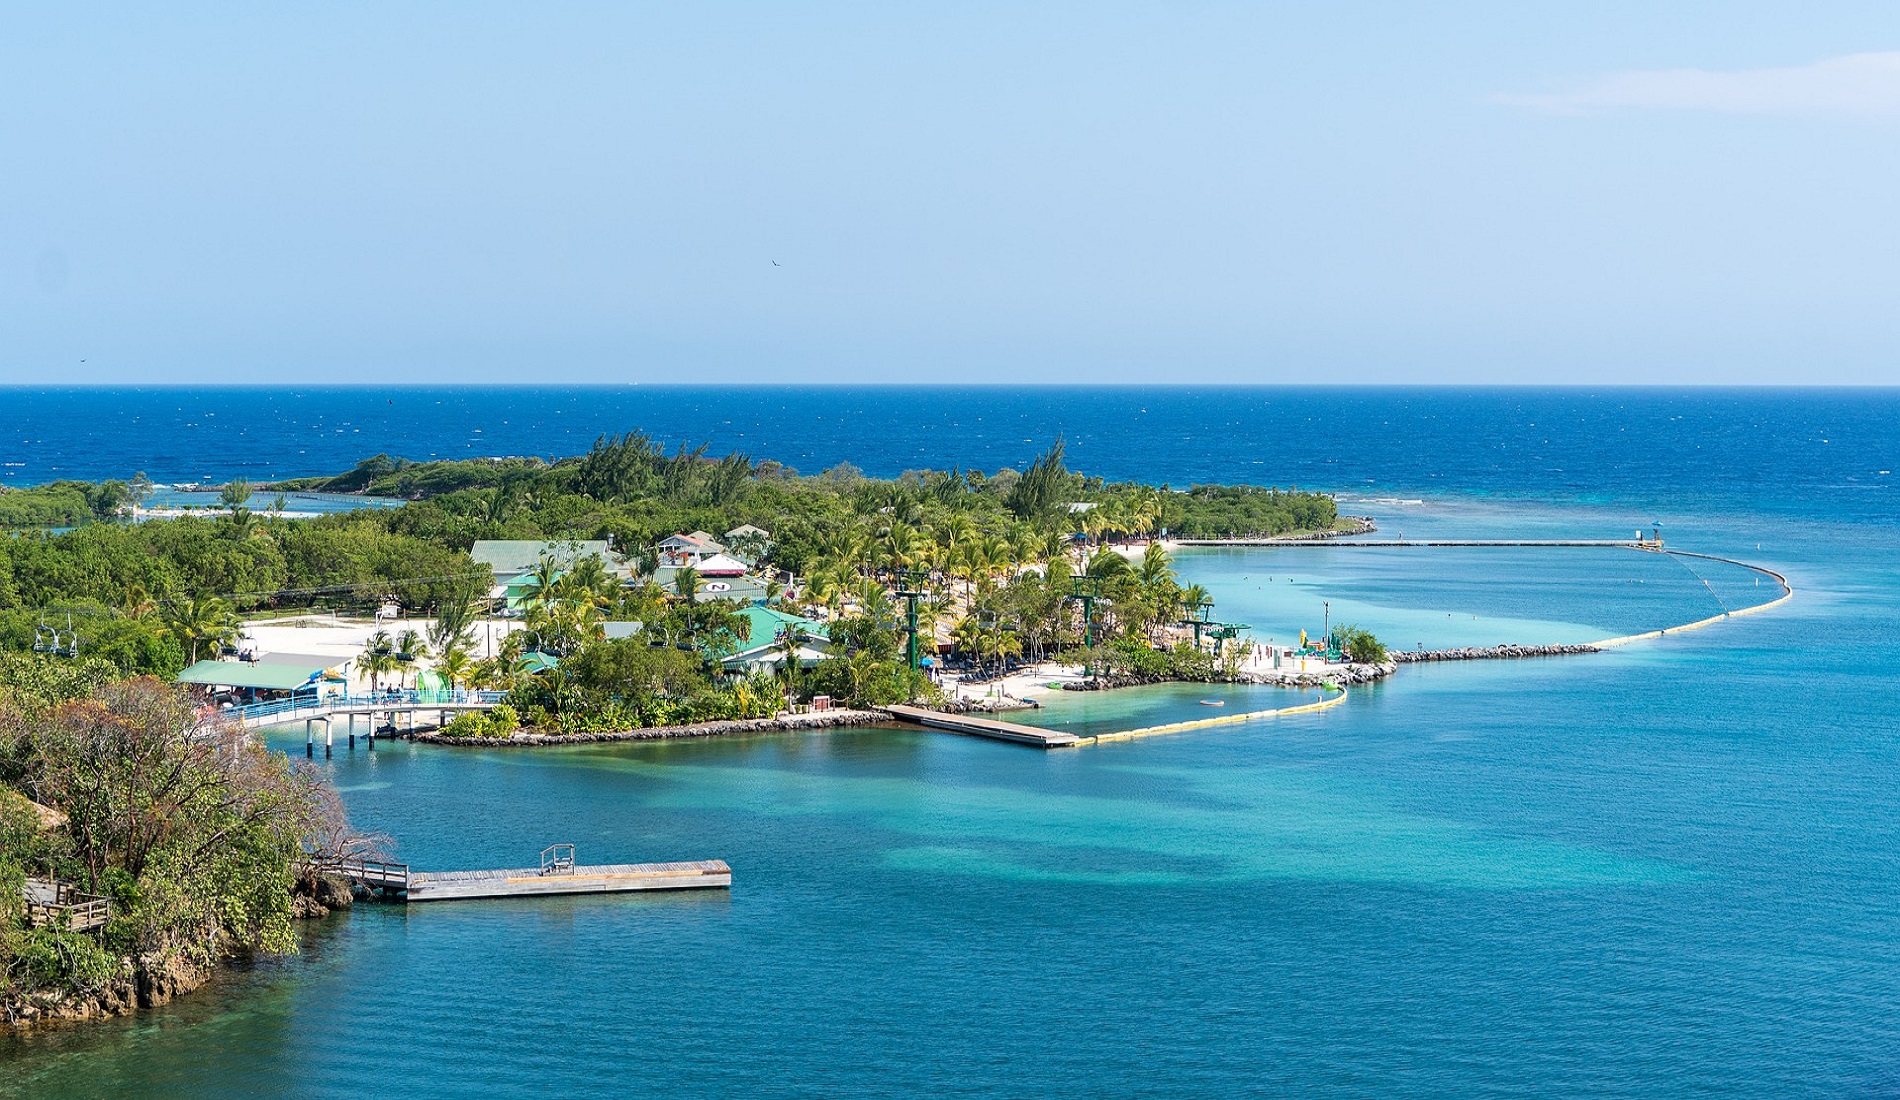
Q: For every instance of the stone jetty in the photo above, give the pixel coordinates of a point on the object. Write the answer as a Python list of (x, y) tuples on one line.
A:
[(1489, 653)]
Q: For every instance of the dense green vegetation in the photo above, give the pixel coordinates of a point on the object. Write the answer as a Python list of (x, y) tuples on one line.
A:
[(63, 504), (1359, 645), (194, 834), (998, 555)]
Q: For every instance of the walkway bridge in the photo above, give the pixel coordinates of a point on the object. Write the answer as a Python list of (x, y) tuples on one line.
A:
[(310, 710)]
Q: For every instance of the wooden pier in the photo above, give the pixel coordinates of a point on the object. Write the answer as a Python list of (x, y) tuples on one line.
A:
[(558, 874), (984, 727)]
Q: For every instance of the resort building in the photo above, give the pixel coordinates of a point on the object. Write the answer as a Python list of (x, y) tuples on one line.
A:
[(762, 650), (688, 549), (721, 565), (512, 562), (725, 586)]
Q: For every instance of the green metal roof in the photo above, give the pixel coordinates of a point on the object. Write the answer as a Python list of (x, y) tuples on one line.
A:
[(504, 556), (535, 661), (243, 674), (766, 625)]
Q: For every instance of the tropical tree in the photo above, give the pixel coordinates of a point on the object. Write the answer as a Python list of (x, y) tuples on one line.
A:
[(1157, 566), (409, 647), (455, 665), (138, 602), (200, 621), (542, 581), (378, 658), (787, 646)]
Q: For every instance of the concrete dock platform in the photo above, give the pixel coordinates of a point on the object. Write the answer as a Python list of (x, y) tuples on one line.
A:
[(977, 726)]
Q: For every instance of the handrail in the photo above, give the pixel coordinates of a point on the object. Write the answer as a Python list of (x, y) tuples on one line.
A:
[(57, 902), (366, 871), (408, 698)]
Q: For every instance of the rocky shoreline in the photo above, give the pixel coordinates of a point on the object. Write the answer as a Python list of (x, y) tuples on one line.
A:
[(1349, 527), (150, 981), (145, 981), (1490, 653), (784, 723), (1350, 674)]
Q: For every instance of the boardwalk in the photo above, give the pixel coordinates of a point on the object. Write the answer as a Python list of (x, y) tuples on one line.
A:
[(307, 709), (984, 727)]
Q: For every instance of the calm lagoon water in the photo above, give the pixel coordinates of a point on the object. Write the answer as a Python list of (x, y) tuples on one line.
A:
[(1665, 870)]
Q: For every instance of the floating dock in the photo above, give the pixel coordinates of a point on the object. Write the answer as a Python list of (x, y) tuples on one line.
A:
[(528, 882), (984, 727), (558, 874)]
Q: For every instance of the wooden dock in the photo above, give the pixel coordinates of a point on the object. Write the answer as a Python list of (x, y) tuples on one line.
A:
[(984, 727), (558, 874)]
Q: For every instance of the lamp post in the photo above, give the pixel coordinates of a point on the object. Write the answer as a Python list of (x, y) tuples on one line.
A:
[(1327, 630)]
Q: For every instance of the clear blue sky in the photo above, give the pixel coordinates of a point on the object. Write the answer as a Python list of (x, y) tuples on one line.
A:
[(1160, 192)]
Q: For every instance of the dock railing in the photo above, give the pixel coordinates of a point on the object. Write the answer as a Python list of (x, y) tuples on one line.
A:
[(289, 710), (51, 903), (373, 873), (557, 859)]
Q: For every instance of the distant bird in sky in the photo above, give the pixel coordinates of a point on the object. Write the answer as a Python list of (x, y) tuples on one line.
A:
[(775, 263)]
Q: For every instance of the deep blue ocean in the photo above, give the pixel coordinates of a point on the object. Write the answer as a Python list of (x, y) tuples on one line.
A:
[(1671, 869)]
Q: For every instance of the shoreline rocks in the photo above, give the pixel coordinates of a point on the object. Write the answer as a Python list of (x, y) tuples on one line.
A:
[(825, 719), (1490, 653), (1350, 674), (147, 981)]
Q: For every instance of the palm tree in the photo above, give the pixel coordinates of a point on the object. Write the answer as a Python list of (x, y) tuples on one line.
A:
[(377, 658), (409, 646), (138, 602), (541, 582), (787, 645), (903, 547), (201, 620), (686, 584), (1106, 564), (589, 581), (455, 617), (455, 665), (1157, 566)]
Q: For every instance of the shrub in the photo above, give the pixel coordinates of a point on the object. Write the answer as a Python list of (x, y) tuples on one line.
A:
[(1360, 646)]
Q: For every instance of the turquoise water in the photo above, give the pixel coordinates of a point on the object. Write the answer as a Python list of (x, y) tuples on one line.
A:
[(1441, 597), (1665, 870), (1090, 712)]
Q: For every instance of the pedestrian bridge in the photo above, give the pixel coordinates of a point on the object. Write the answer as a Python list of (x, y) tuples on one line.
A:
[(310, 710)]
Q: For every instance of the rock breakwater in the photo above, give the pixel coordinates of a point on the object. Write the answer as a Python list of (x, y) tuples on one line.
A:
[(1490, 653), (781, 724)]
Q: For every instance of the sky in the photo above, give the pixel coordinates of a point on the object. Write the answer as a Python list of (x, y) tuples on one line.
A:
[(1167, 192)]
